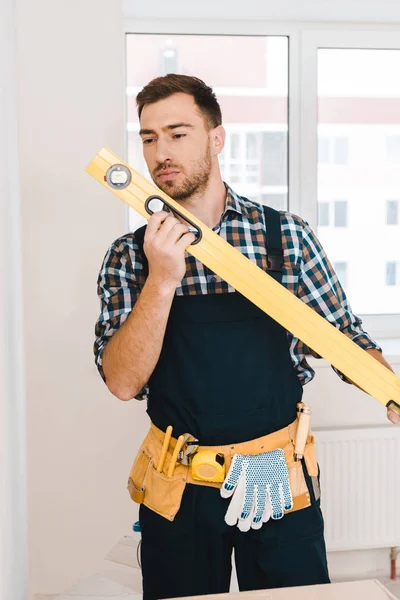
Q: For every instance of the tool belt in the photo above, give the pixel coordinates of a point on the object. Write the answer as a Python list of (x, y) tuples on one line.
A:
[(163, 494)]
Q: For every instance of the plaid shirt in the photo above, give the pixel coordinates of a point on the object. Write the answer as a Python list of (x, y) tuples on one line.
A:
[(307, 273)]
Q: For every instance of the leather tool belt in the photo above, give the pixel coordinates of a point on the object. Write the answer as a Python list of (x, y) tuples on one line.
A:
[(163, 494)]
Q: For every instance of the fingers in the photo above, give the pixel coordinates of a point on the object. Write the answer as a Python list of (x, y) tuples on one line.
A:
[(233, 476), (287, 495), (155, 223), (236, 504), (258, 521), (277, 502), (245, 523), (260, 503), (393, 416), (249, 499), (186, 240), (267, 510), (160, 224), (168, 229)]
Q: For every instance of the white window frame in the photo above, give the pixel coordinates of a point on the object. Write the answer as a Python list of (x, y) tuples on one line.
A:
[(304, 41)]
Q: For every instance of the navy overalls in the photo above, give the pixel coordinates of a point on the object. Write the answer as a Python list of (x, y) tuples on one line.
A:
[(225, 375)]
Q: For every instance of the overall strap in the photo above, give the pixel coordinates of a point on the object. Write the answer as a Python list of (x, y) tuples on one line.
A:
[(274, 242), (139, 238)]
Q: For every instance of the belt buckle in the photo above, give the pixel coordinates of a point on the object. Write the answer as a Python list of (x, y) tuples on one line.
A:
[(189, 449)]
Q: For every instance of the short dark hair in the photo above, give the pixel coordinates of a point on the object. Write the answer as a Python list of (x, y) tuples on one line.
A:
[(173, 83)]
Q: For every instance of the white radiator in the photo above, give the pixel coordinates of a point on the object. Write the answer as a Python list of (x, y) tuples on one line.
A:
[(360, 481)]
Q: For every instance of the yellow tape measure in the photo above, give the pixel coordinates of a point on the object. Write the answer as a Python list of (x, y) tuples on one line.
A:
[(208, 466), (251, 281)]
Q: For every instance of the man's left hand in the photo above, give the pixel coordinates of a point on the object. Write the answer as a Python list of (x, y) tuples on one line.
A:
[(393, 416)]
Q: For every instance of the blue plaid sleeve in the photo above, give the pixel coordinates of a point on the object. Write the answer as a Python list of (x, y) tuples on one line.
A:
[(320, 288), (118, 287)]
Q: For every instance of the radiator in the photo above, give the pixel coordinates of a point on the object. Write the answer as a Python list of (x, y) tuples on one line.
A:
[(360, 481)]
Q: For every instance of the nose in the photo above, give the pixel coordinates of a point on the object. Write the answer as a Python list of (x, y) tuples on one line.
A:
[(163, 152)]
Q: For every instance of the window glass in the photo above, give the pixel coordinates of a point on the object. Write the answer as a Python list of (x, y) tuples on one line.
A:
[(359, 174)]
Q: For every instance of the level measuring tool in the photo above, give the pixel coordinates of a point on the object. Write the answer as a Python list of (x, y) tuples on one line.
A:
[(251, 281)]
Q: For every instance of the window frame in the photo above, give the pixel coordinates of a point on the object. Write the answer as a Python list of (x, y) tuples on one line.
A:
[(305, 39)]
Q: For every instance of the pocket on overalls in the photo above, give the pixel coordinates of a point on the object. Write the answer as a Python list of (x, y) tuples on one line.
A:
[(137, 475), (163, 494)]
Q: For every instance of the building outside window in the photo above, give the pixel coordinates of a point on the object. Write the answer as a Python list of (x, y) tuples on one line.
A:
[(358, 127), (323, 214), (393, 149), (341, 272), (392, 273), (340, 213), (333, 150), (392, 212)]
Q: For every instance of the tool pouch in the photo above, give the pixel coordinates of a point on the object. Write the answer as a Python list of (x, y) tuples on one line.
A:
[(155, 490)]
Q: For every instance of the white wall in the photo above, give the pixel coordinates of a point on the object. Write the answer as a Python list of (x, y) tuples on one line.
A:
[(81, 440), (13, 519)]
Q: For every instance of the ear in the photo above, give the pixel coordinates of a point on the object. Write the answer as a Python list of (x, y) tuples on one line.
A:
[(217, 135)]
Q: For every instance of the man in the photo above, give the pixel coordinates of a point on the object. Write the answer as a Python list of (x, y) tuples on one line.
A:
[(208, 361)]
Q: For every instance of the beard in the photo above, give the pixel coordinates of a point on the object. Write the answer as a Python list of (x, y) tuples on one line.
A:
[(196, 183)]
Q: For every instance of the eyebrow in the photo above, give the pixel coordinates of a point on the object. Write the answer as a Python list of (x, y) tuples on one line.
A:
[(167, 128)]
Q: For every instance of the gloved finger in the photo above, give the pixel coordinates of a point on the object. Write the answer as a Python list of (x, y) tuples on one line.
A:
[(260, 501), (277, 503), (267, 510), (232, 478), (248, 499), (245, 524), (236, 504), (283, 480), (287, 495)]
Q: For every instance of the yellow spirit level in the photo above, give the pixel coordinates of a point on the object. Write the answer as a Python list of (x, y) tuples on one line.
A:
[(251, 281)]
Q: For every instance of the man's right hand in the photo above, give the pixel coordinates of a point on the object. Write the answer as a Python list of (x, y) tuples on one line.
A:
[(165, 241)]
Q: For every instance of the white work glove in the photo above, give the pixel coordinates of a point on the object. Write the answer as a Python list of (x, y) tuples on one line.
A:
[(260, 488)]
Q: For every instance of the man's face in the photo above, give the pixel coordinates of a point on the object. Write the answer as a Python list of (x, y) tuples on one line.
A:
[(176, 146)]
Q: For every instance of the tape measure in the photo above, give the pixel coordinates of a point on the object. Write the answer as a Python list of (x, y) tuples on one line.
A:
[(208, 466), (256, 285)]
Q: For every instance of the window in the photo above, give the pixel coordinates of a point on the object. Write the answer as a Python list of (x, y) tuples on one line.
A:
[(392, 212), (254, 105), (341, 272), (323, 214), (391, 273), (346, 135), (393, 149), (240, 162), (235, 146), (340, 213), (169, 61), (277, 201), (274, 158), (356, 92), (333, 151)]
